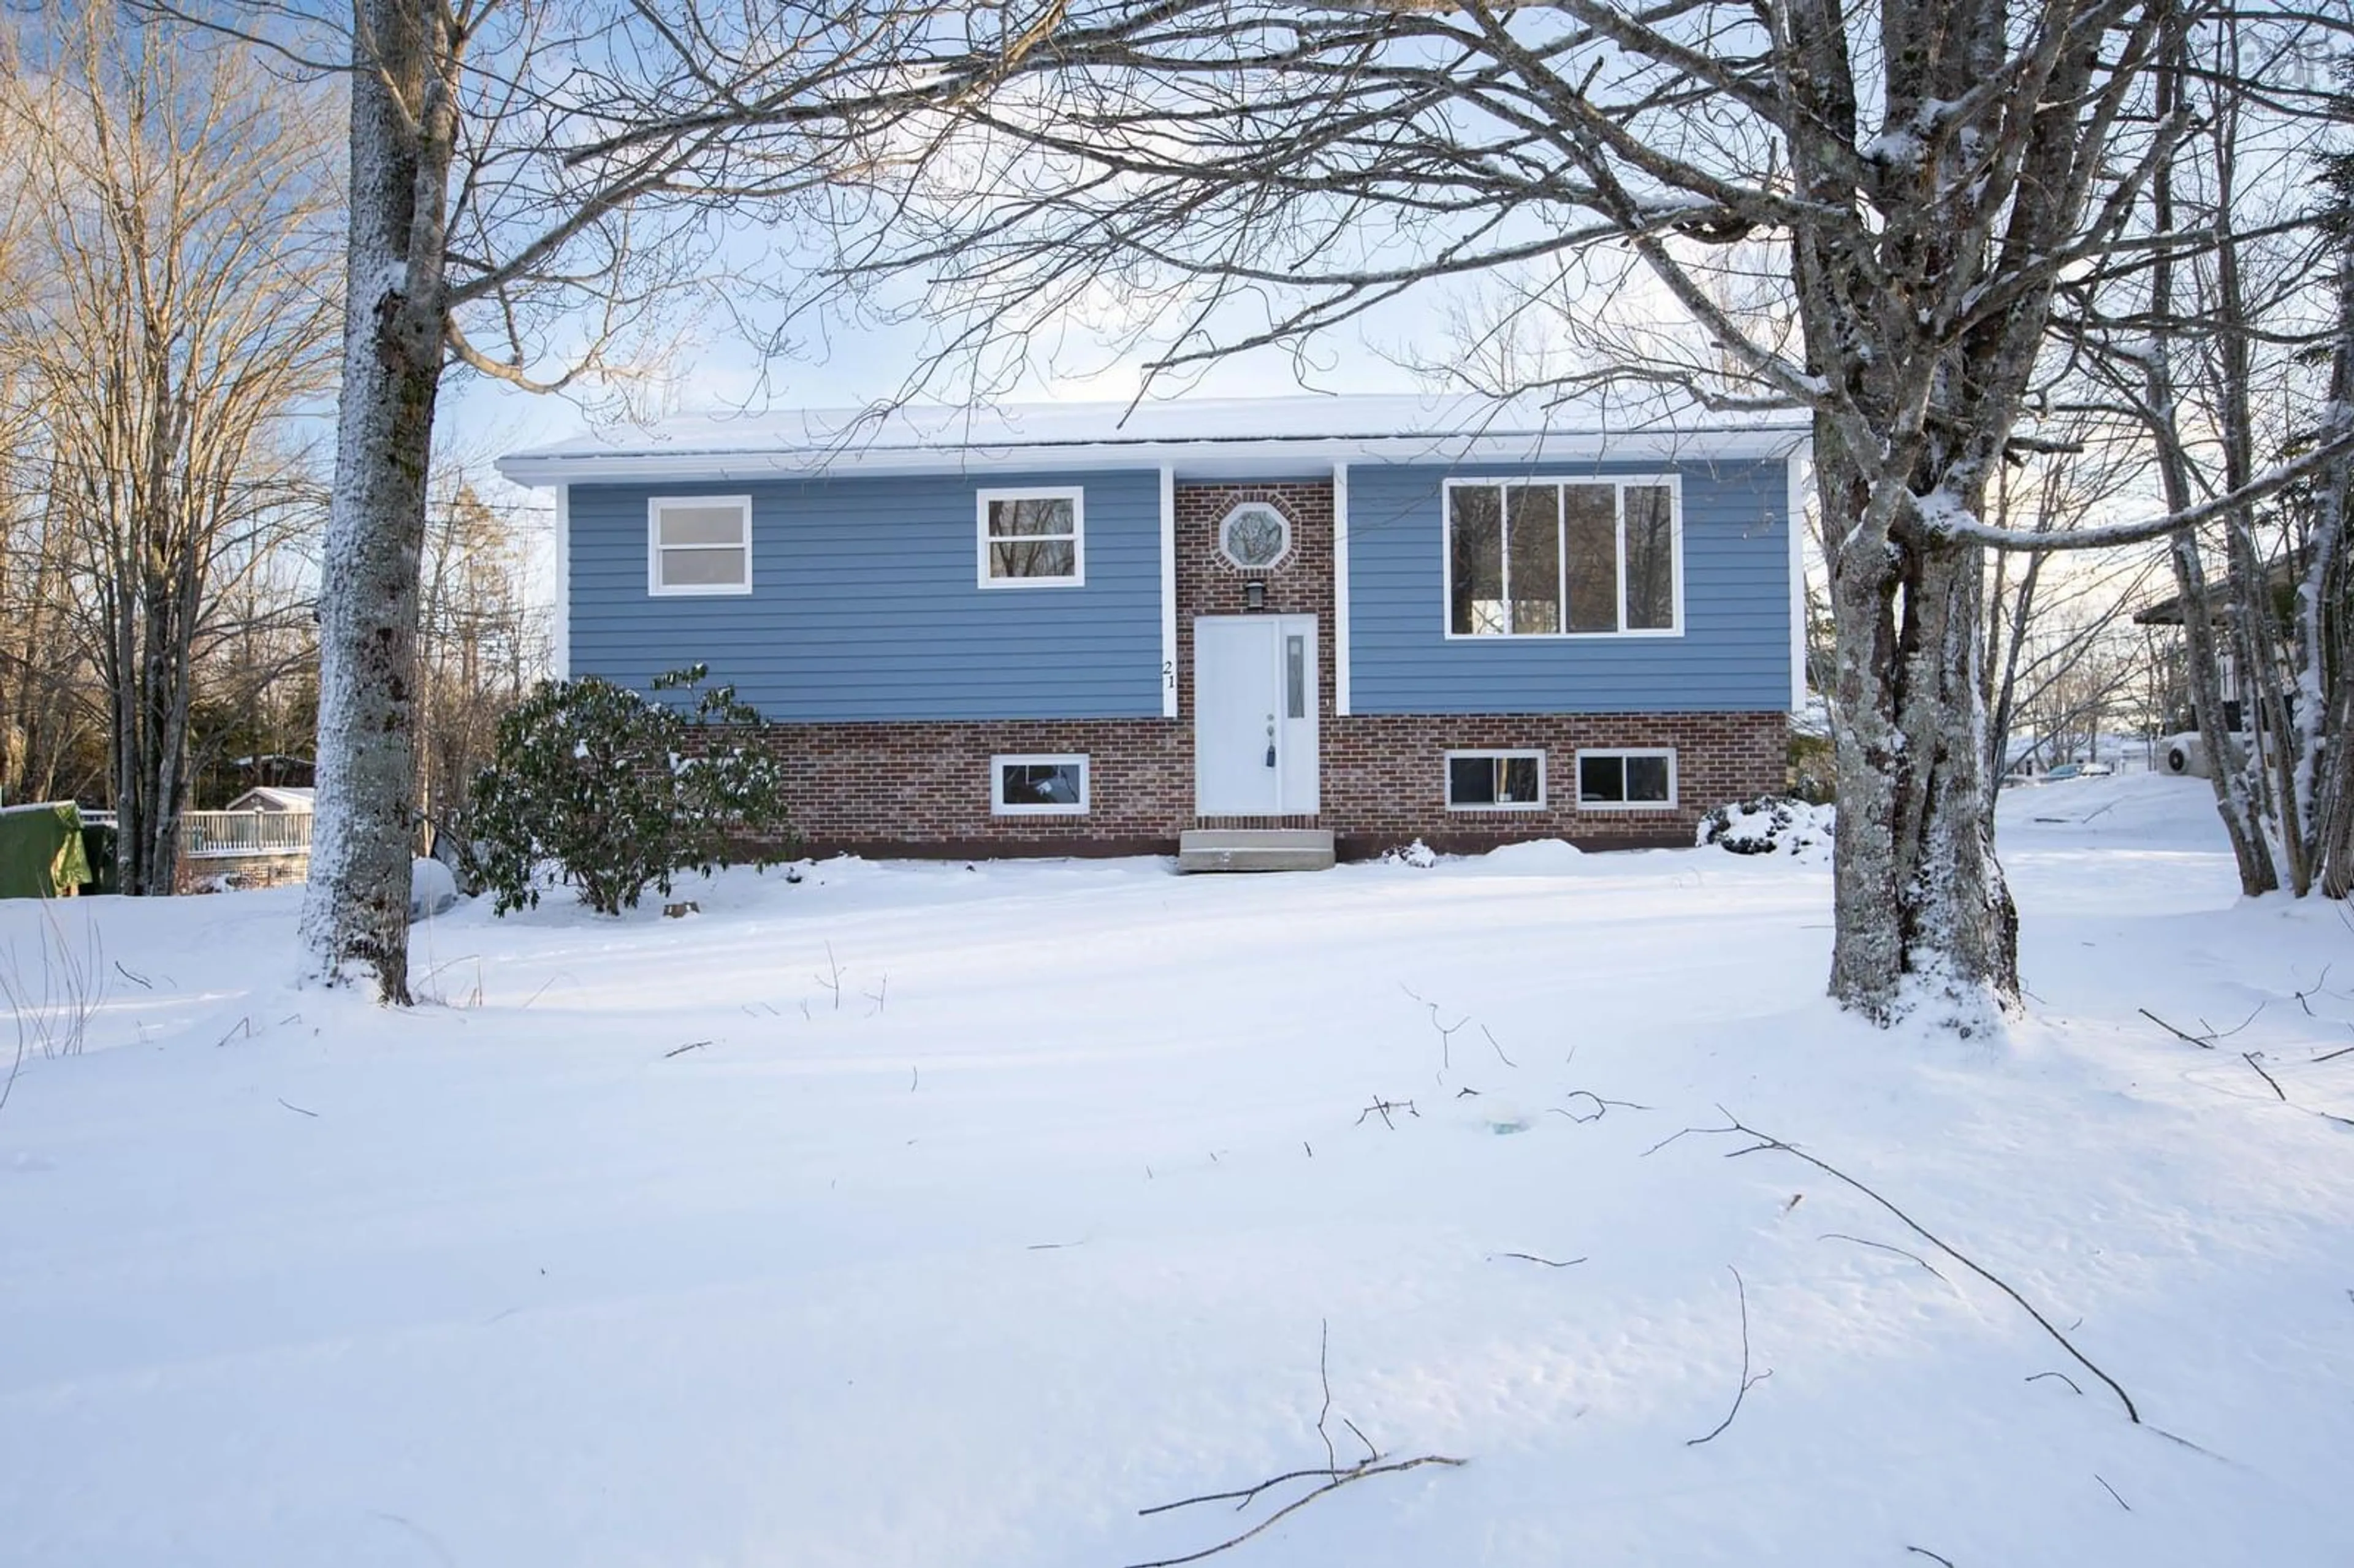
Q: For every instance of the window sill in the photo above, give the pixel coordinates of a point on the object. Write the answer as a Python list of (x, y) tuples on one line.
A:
[(1647, 636), (731, 590)]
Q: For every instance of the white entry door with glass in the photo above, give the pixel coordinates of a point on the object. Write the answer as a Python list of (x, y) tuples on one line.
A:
[(1254, 715)]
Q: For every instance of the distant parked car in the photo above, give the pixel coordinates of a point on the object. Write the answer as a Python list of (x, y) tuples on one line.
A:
[(2060, 773), (2098, 770)]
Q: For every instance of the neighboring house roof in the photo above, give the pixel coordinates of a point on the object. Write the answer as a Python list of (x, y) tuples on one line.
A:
[(275, 798), (2280, 579), (1223, 438)]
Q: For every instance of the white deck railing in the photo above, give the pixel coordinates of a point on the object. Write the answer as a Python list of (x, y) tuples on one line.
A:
[(209, 833)]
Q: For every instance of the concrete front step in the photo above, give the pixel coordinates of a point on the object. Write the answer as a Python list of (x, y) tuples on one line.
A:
[(1254, 849)]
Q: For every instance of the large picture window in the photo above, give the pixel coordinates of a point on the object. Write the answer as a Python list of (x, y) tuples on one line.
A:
[(699, 544), (1033, 538), (1563, 558)]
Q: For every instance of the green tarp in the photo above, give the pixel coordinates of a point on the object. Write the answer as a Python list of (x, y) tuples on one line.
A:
[(41, 853)]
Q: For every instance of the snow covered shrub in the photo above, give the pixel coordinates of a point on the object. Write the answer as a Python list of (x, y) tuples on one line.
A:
[(1770, 824), (617, 791)]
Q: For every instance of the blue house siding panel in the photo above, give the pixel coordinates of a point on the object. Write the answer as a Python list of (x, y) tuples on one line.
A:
[(864, 603), (1733, 654)]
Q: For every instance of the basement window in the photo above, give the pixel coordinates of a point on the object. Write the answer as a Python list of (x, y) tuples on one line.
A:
[(699, 544), (1038, 786), (1637, 780), (1495, 781)]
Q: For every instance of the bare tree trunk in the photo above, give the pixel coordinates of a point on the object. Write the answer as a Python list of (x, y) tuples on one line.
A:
[(355, 910), (2326, 701), (2226, 770), (1919, 895)]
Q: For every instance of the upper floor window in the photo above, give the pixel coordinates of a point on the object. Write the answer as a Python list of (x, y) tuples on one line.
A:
[(1033, 538), (699, 544), (1563, 557)]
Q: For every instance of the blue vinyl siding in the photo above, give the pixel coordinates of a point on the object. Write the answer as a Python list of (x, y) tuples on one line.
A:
[(1734, 652), (864, 603)]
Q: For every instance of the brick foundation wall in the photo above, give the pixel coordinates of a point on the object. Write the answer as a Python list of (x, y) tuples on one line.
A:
[(923, 788)]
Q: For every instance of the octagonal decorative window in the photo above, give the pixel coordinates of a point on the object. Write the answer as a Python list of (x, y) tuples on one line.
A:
[(1254, 537)]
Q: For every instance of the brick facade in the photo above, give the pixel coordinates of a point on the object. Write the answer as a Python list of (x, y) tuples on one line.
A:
[(923, 788)]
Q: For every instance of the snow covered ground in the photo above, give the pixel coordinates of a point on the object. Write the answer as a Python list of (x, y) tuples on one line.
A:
[(661, 1241)]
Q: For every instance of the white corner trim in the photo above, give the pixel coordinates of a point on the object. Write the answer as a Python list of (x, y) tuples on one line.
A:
[(1799, 467), (559, 624), (1341, 590), (1168, 591)]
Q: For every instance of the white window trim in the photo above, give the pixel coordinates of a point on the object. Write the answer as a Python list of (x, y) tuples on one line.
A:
[(1290, 536), (1000, 806), (1577, 780), (1070, 493), (1168, 591), (1673, 484), (656, 587), (1544, 788)]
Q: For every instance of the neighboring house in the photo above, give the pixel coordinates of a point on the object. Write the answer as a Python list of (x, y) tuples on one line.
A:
[(275, 798), (1068, 628), (263, 839)]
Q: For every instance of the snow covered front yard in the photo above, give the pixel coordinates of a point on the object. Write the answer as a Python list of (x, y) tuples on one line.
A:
[(940, 1216)]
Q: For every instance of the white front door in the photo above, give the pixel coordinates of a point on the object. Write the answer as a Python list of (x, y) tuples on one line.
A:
[(1254, 715)]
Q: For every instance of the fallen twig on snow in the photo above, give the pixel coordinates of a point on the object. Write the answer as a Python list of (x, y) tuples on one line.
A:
[(1748, 1383), (1932, 1556), (689, 1045), (1766, 1141), (1601, 1106), (2250, 1058), (1332, 1476), (1532, 1258), (297, 1111), (1383, 1108), (2113, 1492), (832, 984), (1338, 1478), (1447, 1032), (2178, 1033), (1883, 1247), (2064, 1377)]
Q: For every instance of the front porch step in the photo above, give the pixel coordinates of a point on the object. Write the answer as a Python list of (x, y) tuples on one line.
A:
[(1254, 849)]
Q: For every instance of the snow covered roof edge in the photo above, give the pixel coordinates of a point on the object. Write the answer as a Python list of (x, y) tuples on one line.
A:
[(1203, 435)]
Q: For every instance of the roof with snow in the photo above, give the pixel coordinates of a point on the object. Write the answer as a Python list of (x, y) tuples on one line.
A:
[(1208, 437), (275, 798)]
